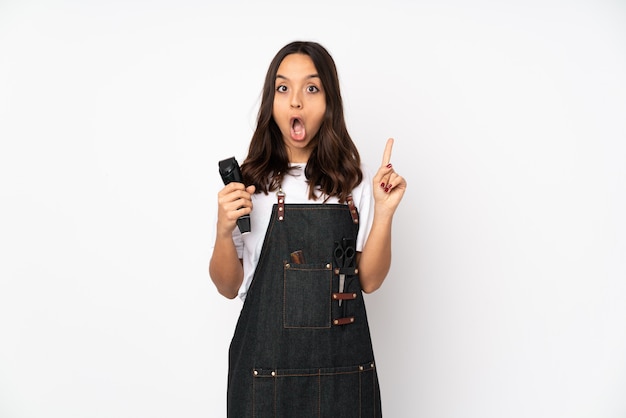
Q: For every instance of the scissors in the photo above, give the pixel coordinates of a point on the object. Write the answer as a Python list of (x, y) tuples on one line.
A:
[(344, 255)]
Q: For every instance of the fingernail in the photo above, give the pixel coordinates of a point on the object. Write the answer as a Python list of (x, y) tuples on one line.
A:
[(389, 165), (382, 185), (389, 186), (386, 189)]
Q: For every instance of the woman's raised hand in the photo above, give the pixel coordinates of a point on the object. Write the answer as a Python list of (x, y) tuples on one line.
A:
[(389, 186)]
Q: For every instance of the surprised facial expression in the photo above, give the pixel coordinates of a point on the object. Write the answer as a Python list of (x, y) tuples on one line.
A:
[(299, 105)]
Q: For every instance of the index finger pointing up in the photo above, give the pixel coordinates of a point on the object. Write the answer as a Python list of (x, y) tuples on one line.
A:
[(387, 153)]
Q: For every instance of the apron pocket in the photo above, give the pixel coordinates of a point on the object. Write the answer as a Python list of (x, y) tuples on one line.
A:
[(307, 295), (341, 392)]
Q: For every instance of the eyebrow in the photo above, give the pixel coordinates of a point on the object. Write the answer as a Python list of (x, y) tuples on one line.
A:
[(282, 77)]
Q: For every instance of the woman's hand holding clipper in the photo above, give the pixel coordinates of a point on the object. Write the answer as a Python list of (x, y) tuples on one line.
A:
[(234, 201)]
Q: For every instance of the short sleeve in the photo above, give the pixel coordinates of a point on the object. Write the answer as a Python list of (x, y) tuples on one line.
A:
[(238, 240), (364, 201)]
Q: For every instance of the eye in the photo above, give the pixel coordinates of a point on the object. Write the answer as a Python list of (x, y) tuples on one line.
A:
[(312, 89), (281, 88)]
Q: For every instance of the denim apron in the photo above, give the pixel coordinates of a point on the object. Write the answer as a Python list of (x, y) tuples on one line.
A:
[(296, 352)]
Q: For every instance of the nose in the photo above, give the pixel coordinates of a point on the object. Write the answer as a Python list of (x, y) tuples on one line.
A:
[(296, 103)]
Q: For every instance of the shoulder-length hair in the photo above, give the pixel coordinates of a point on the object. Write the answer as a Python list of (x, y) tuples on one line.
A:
[(334, 164)]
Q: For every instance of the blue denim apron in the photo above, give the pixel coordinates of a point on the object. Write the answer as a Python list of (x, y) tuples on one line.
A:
[(296, 351)]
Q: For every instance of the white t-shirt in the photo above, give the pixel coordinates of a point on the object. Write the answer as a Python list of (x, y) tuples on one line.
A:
[(296, 191)]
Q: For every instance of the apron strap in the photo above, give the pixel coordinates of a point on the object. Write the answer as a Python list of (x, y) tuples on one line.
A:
[(280, 195), (353, 212)]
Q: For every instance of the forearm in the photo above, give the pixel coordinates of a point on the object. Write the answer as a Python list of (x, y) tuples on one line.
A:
[(388, 190), (225, 267), (375, 260)]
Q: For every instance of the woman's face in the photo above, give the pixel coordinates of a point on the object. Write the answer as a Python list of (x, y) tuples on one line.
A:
[(299, 105)]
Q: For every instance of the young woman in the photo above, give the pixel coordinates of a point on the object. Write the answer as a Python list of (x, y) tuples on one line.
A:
[(321, 235)]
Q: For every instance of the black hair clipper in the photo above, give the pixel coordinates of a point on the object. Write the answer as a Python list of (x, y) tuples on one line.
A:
[(229, 170)]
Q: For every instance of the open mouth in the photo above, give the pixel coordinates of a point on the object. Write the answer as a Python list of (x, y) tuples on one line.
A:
[(298, 131)]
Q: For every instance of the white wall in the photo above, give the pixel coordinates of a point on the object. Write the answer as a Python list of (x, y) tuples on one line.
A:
[(506, 295)]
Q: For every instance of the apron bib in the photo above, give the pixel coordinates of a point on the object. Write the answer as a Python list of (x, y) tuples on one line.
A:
[(297, 351)]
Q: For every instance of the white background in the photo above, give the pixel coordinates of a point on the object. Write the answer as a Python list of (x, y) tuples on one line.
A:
[(507, 295)]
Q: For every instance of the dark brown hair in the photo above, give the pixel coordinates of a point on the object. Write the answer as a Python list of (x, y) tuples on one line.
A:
[(334, 164)]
